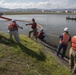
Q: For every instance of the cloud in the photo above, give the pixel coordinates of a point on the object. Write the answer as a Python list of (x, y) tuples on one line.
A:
[(51, 4)]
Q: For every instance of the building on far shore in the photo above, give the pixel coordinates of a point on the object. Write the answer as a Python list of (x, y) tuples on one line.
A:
[(42, 10)]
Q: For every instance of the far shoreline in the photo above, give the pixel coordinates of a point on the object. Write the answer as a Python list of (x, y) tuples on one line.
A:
[(27, 13)]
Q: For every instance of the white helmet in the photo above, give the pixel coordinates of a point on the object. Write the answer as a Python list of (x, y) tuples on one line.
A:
[(41, 29), (74, 36), (13, 20), (66, 29)]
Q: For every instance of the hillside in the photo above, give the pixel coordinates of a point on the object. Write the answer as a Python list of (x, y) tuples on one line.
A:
[(27, 58)]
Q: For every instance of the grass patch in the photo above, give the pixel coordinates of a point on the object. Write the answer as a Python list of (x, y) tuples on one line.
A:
[(27, 58)]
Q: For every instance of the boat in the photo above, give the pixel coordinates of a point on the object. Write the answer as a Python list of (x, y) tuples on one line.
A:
[(69, 18)]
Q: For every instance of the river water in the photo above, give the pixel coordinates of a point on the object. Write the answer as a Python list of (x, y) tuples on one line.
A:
[(53, 25)]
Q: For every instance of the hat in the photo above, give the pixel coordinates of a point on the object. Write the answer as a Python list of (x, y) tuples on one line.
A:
[(33, 19), (74, 36), (41, 29), (13, 20), (66, 29)]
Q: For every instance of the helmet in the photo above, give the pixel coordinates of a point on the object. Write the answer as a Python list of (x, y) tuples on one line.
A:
[(66, 29), (13, 20), (74, 36), (41, 29)]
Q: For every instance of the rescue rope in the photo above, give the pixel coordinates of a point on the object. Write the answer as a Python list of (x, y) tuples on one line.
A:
[(53, 35)]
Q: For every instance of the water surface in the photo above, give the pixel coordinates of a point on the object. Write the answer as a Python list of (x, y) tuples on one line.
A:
[(52, 24)]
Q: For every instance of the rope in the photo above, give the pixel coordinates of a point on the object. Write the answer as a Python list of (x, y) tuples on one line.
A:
[(53, 35)]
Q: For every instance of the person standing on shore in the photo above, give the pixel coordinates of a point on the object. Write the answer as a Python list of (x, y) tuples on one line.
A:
[(65, 38), (33, 27), (13, 30)]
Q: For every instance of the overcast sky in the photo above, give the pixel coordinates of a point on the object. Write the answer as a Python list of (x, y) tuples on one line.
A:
[(43, 4)]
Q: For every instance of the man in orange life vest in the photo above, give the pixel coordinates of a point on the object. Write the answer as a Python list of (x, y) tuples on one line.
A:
[(33, 27), (13, 30), (65, 38), (41, 34), (72, 55)]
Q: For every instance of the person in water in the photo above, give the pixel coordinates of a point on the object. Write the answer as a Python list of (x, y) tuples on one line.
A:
[(41, 34)]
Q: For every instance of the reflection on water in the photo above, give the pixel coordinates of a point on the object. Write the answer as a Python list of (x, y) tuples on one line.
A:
[(52, 24)]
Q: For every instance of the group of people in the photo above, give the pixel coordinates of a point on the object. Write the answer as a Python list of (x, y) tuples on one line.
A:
[(37, 34), (13, 30), (65, 38)]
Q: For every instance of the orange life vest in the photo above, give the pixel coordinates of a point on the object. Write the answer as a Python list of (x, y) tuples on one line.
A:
[(39, 34), (65, 39), (12, 26), (34, 26), (74, 42)]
